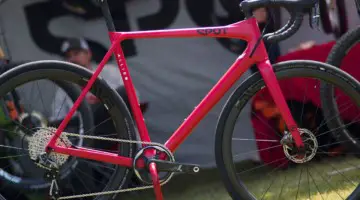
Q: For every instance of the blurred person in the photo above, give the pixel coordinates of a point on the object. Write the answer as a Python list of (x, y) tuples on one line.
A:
[(3, 59), (77, 51), (303, 46)]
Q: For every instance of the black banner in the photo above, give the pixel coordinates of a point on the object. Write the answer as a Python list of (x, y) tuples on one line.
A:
[(40, 14)]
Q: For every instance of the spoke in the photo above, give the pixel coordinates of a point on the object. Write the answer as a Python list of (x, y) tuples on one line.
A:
[(257, 150), (302, 106), (327, 182), (340, 127), (349, 168), (266, 135), (259, 140), (31, 92), (10, 147), (91, 177), (272, 182), (297, 193), (5, 157), (282, 187), (338, 172), (343, 170), (338, 142), (324, 123), (317, 188), (273, 130), (59, 111), (42, 101), (71, 186), (95, 164), (97, 125), (263, 165), (17, 123), (82, 182), (53, 99), (307, 175)]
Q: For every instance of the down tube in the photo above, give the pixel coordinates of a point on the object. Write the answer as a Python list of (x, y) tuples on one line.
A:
[(216, 93)]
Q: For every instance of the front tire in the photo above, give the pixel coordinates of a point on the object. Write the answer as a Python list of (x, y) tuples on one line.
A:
[(245, 93)]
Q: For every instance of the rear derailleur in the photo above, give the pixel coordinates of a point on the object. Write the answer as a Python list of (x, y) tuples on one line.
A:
[(52, 174)]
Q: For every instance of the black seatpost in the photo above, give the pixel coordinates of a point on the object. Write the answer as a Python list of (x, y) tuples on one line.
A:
[(107, 15)]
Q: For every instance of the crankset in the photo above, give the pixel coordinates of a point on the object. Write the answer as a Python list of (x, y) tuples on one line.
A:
[(167, 166), (157, 171)]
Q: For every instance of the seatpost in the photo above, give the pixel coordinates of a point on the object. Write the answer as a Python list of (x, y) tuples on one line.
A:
[(107, 15)]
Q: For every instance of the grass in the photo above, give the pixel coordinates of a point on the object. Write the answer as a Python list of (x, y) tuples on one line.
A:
[(205, 185), (327, 179)]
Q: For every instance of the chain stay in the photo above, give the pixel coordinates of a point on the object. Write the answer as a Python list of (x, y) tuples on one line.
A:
[(113, 191)]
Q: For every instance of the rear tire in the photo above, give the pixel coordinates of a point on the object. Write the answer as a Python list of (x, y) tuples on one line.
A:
[(63, 71), (335, 58)]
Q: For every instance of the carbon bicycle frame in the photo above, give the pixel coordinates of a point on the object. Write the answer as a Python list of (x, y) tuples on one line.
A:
[(246, 30)]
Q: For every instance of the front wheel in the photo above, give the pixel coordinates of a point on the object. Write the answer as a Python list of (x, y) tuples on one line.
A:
[(325, 170)]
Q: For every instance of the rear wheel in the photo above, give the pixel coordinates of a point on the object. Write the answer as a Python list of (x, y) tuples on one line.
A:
[(344, 52), (323, 171), (112, 120)]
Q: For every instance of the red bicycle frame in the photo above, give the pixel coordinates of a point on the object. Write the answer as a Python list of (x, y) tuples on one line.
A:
[(255, 53)]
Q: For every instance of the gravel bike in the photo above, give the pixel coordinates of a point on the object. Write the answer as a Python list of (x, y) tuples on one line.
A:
[(154, 163)]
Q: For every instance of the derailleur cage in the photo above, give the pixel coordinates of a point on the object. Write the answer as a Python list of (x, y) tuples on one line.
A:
[(52, 174)]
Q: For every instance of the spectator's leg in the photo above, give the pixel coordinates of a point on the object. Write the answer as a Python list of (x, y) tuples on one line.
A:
[(122, 92), (104, 125)]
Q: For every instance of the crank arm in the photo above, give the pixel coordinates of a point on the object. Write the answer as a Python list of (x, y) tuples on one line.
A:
[(167, 166)]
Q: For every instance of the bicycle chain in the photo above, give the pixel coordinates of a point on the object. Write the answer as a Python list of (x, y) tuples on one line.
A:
[(108, 139), (113, 191)]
